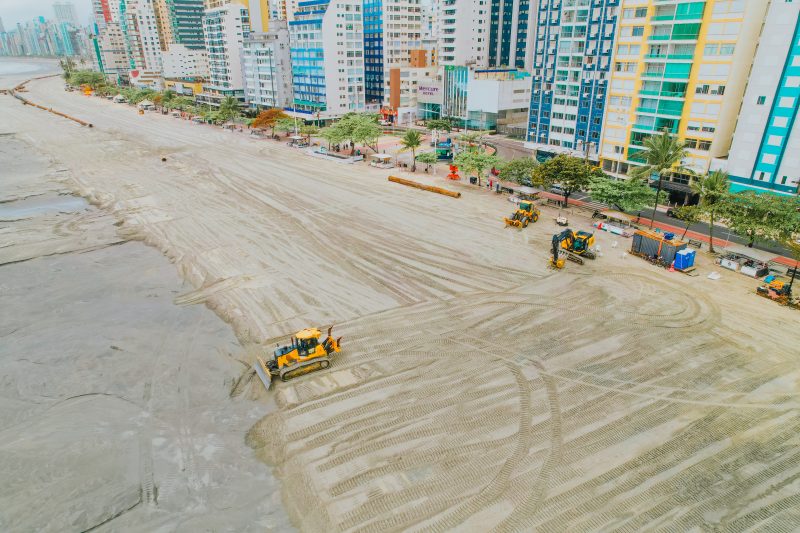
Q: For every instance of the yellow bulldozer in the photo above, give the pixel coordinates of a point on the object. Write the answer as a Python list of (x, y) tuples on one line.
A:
[(524, 215), (573, 246), (303, 355)]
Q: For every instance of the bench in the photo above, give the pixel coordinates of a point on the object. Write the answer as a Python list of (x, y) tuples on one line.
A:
[(695, 243)]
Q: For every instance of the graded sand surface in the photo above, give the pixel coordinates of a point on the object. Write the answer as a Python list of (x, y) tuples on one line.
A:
[(477, 389)]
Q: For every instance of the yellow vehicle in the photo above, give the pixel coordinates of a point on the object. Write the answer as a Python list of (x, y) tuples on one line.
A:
[(524, 215), (776, 290), (305, 354), (572, 246)]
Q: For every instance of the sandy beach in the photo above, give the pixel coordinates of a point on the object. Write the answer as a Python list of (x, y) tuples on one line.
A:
[(477, 389)]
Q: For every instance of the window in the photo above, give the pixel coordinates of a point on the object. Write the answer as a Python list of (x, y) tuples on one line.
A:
[(761, 100), (638, 31), (780, 122), (786, 101), (775, 140)]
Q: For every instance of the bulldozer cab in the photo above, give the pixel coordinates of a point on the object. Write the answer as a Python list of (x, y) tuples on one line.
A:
[(583, 241), (526, 206)]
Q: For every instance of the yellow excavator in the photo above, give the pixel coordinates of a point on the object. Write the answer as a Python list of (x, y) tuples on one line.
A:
[(776, 290), (573, 246), (524, 215), (303, 355)]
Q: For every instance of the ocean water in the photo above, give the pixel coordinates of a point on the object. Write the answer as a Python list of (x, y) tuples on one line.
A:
[(15, 66)]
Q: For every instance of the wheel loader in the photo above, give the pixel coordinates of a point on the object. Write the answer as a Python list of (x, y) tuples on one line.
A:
[(524, 215), (573, 246), (303, 355)]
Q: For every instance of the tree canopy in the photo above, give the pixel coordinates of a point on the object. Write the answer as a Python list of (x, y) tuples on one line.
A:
[(427, 158), (519, 170), (572, 173), (477, 162), (439, 124), (229, 108), (268, 118), (760, 217), (712, 190), (633, 194)]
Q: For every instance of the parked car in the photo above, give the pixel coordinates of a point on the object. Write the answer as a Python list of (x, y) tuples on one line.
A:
[(671, 213), (556, 188)]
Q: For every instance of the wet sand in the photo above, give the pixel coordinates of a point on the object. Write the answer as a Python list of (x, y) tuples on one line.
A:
[(477, 389), (119, 410)]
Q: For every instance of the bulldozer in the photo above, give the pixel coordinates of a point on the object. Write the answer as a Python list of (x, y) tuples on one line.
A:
[(304, 354), (524, 215), (573, 246)]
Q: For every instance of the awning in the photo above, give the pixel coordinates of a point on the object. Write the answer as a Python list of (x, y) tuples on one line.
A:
[(752, 253)]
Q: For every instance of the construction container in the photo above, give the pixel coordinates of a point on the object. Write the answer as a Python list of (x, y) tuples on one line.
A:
[(655, 246), (684, 259)]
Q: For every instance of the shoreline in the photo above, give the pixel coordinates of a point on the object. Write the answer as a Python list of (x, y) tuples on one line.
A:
[(589, 396)]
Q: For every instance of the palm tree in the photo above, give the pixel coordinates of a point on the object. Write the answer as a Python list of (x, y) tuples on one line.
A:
[(411, 141), (229, 107), (712, 189), (662, 155)]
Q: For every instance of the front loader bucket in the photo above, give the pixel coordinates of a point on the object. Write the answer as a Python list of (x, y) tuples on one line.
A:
[(512, 222), (263, 372)]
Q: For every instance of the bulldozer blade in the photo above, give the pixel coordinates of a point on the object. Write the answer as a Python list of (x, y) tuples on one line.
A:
[(263, 372), (510, 222)]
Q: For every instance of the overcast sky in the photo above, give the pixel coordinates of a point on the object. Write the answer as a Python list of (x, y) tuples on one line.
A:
[(13, 11)]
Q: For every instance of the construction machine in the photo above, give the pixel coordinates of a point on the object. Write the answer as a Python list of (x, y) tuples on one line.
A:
[(303, 355), (776, 290), (572, 246), (524, 215)]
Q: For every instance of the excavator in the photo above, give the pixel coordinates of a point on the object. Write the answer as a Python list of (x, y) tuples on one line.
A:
[(524, 215), (572, 246), (303, 355)]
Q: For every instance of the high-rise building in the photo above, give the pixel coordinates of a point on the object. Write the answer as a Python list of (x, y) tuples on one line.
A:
[(225, 28), (65, 12), (110, 54), (765, 154), (571, 65), (266, 64), (392, 29), (463, 32), (679, 67), (142, 42), (511, 30), (327, 49)]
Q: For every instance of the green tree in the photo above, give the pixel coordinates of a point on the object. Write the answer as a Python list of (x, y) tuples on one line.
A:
[(86, 77), (473, 139), (572, 173), (439, 124), (632, 194), (68, 66), (333, 135), (519, 170), (793, 244), (690, 214), (427, 159), (411, 140), (763, 217), (364, 129), (285, 125), (168, 98), (229, 108), (712, 190), (475, 162), (308, 131), (662, 155)]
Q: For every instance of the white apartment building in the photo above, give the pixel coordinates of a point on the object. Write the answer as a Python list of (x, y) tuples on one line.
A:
[(180, 62), (463, 32), (110, 56), (225, 29), (392, 29), (327, 50), (142, 42), (765, 154), (267, 67)]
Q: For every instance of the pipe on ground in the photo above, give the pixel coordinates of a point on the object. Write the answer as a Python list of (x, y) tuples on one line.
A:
[(416, 185)]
